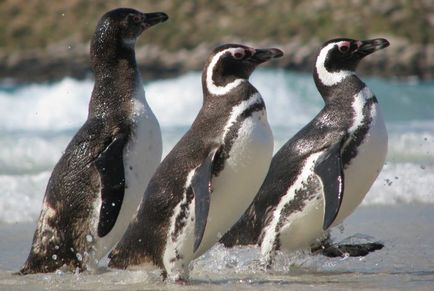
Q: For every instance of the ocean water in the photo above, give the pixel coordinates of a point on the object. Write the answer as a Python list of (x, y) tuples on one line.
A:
[(38, 120)]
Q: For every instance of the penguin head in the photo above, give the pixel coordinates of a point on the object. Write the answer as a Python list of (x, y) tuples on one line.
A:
[(344, 54), (338, 59), (120, 28), (228, 65)]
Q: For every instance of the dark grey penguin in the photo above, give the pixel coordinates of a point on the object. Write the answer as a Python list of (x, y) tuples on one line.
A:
[(322, 173), (212, 174), (96, 186)]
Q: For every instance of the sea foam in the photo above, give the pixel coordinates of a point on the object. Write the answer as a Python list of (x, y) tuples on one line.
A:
[(57, 106), (38, 120)]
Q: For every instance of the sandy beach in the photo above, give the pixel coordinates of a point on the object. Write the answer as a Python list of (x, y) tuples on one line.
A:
[(406, 262)]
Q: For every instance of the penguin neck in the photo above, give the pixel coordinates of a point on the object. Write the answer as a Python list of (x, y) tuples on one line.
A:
[(117, 81), (220, 87), (107, 56), (215, 108), (235, 90), (340, 92)]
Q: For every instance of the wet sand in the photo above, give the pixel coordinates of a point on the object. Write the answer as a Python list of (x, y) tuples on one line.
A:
[(406, 261)]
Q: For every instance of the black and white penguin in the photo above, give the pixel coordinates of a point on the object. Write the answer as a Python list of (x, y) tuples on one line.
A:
[(322, 173), (96, 186), (208, 180)]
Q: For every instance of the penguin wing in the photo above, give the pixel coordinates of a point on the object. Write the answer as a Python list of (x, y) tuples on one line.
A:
[(201, 184), (329, 169), (111, 170)]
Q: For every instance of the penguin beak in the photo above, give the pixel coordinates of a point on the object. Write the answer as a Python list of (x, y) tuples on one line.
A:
[(367, 47), (153, 18), (262, 55)]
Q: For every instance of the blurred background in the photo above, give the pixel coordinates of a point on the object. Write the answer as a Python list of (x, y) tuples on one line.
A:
[(49, 40)]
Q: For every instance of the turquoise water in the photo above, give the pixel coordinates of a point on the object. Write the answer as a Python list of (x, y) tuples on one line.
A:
[(38, 120)]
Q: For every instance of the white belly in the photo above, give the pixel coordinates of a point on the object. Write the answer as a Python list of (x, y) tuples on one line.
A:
[(304, 228), (233, 190), (142, 154), (299, 228), (365, 167), (236, 186)]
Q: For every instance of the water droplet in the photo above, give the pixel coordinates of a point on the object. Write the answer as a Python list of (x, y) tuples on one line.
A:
[(54, 257), (56, 247), (79, 257), (89, 238), (113, 204)]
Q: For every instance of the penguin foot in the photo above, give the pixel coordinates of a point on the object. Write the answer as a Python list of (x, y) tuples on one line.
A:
[(357, 245), (350, 250)]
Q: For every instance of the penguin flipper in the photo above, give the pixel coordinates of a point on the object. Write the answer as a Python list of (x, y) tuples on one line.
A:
[(111, 170), (330, 170), (201, 184)]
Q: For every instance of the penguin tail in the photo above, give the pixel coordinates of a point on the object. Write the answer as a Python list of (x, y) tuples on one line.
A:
[(35, 265), (25, 270), (122, 258), (246, 231), (47, 263), (118, 259)]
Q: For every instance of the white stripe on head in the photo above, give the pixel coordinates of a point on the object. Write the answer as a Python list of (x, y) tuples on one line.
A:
[(211, 86), (326, 77)]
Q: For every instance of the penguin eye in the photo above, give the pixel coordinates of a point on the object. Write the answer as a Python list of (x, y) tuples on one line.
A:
[(238, 55), (344, 48), (137, 18)]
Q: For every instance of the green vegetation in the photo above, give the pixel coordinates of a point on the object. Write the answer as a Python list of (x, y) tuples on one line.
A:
[(30, 24), (47, 40)]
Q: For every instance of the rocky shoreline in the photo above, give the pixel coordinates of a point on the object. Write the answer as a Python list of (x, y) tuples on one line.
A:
[(401, 60)]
